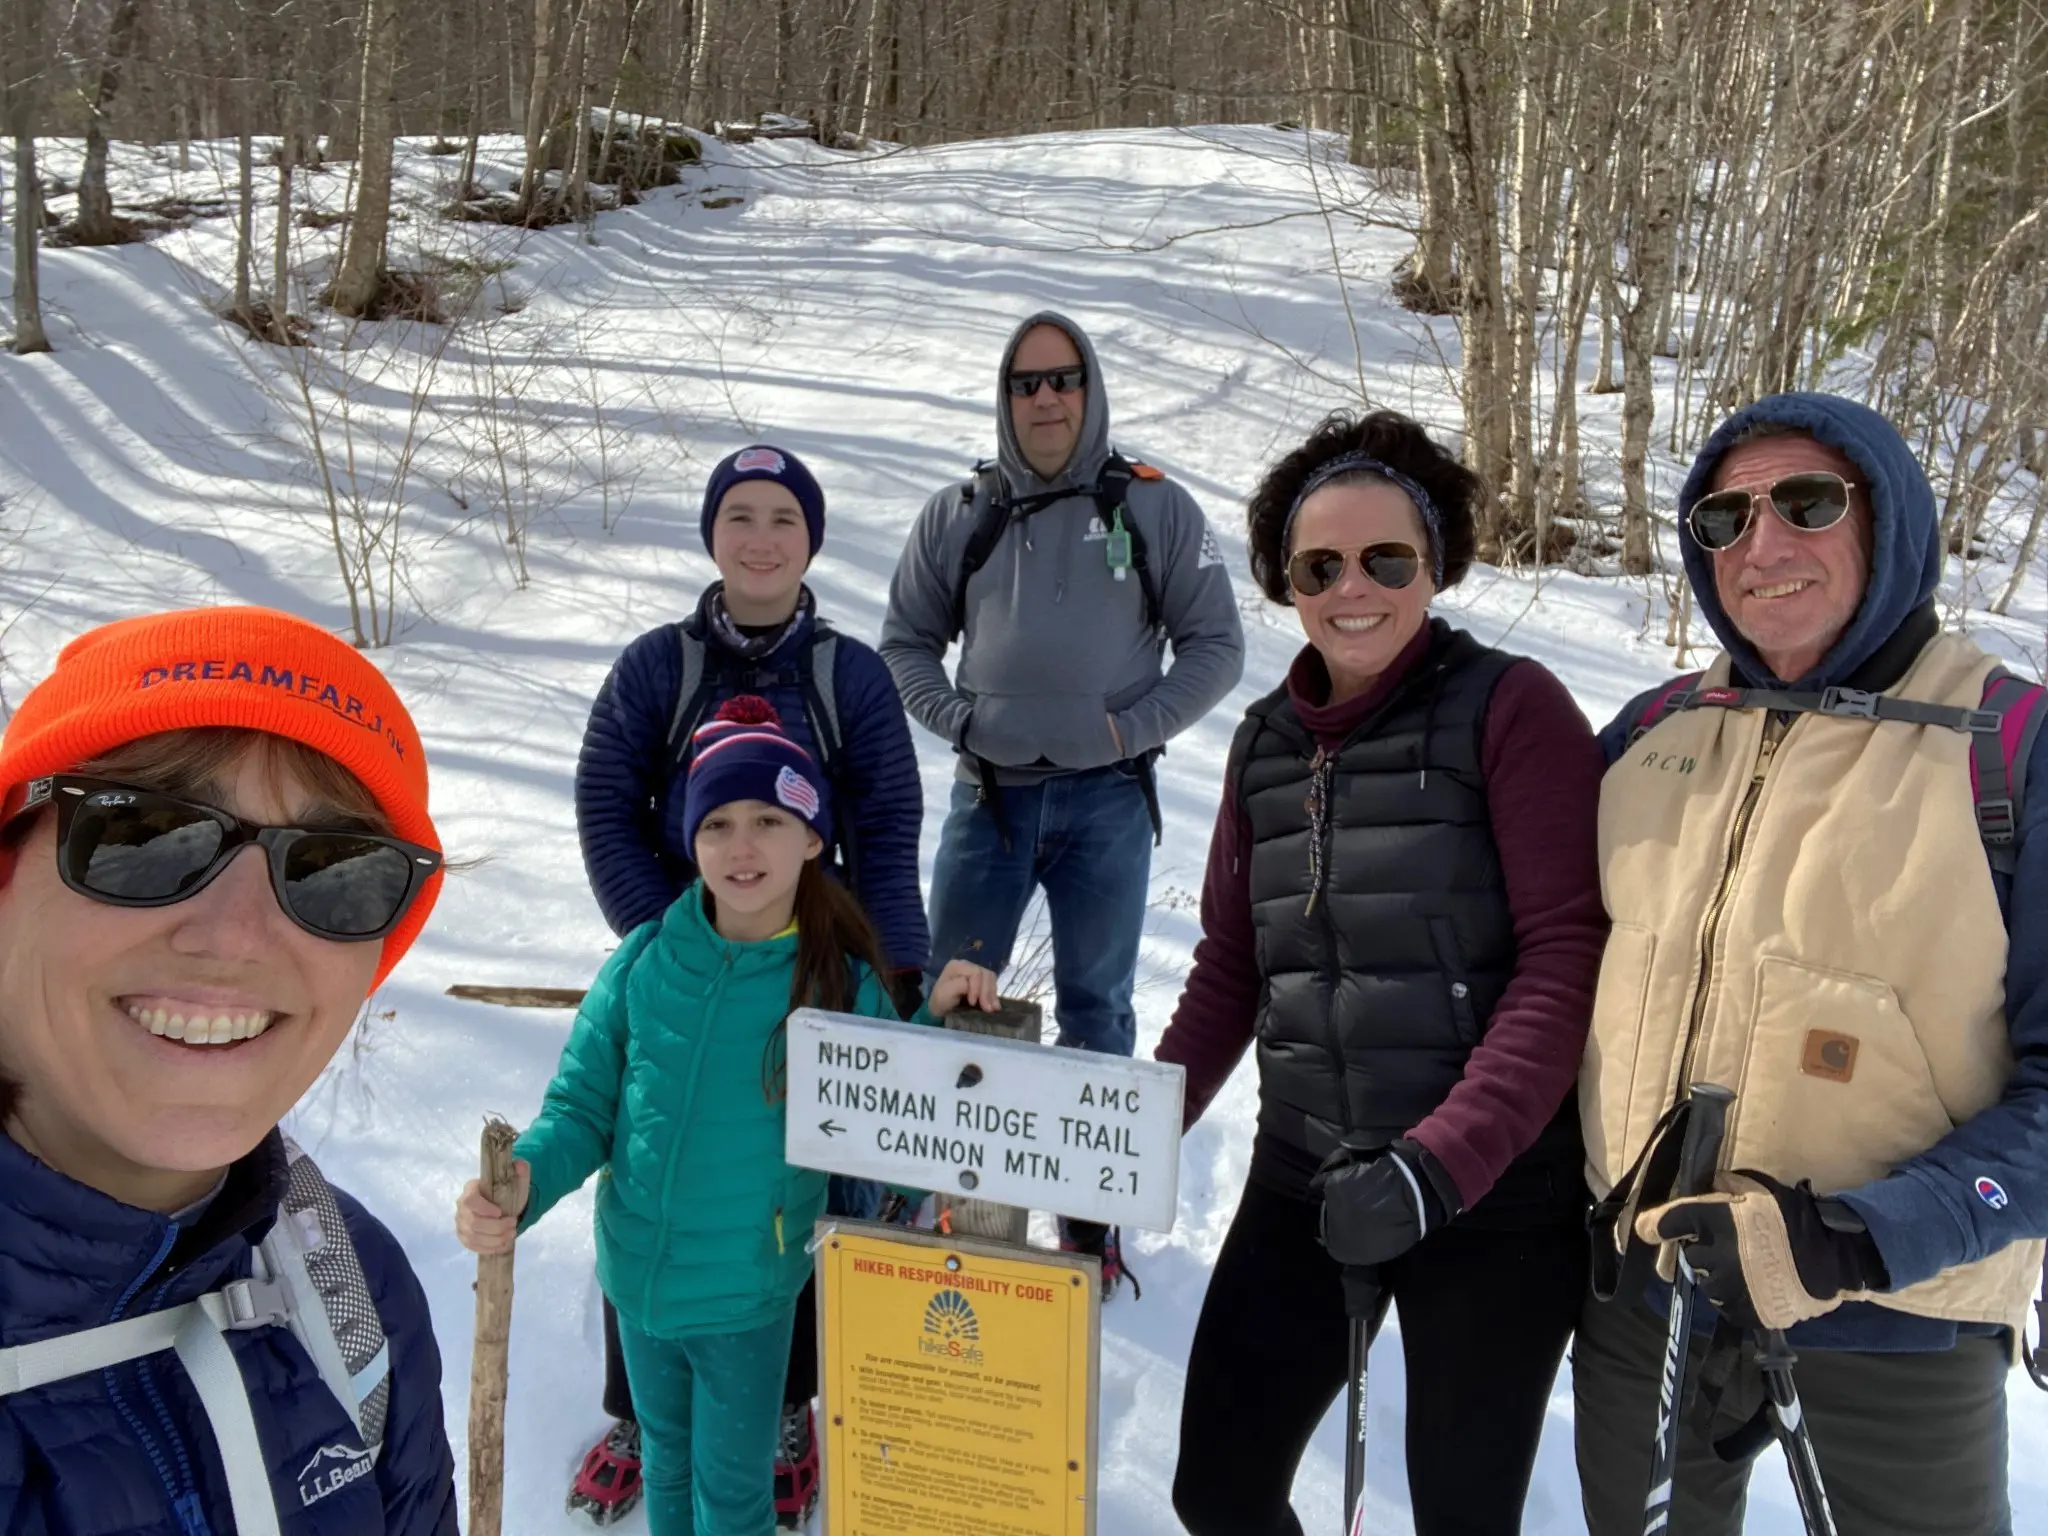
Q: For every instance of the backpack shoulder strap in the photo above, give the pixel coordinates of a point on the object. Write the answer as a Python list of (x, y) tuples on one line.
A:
[(693, 695), (985, 490), (820, 664), (1998, 763), (331, 1311), (1655, 706), (1112, 495)]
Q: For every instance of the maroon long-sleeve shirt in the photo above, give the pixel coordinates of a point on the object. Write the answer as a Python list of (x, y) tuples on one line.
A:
[(1542, 770)]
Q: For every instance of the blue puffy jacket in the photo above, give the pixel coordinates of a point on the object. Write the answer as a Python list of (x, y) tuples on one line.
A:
[(128, 1450), (629, 787)]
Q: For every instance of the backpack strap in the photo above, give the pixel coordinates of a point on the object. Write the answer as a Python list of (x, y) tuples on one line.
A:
[(984, 489), (1656, 706), (693, 695), (1998, 763), (1112, 495), (817, 674), (330, 1309), (2002, 730), (197, 1333), (2036, 1356)]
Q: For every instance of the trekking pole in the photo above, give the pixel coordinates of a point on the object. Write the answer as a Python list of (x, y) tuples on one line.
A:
[(1362, 1298), (1706, 1121), (487, 1363), (1776, 1359)]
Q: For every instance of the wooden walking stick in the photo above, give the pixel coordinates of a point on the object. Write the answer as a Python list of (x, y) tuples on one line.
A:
[(487, 1365)]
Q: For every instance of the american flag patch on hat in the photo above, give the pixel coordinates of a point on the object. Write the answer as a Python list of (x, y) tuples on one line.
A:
[(797, 792), (760, 458)]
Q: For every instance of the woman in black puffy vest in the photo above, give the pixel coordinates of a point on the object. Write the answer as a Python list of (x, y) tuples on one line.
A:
[(1402, 913)]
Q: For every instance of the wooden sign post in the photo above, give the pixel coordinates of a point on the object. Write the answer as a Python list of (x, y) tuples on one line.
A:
[(1014, 1020), (487, 1364)]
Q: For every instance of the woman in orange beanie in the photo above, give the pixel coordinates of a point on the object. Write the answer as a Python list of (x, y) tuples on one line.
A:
[(214, 844)]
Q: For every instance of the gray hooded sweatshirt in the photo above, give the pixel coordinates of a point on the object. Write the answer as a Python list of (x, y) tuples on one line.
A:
[(1054, 644)]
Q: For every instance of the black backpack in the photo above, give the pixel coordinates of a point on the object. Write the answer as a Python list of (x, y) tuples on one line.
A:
[(812, 672), (1000, 509)]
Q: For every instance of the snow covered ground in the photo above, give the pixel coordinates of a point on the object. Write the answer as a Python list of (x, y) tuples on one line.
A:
[(852, 309)]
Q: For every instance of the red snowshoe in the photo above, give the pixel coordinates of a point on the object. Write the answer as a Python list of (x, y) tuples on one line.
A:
[(1106, 1244), (607, 1487), (796, 1469)]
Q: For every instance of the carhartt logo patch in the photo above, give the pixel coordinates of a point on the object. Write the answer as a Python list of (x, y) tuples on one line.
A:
[(1829, 1055)]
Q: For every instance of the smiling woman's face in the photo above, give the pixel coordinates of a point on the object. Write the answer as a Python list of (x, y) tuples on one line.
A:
[(1358, 626), (94, 998)]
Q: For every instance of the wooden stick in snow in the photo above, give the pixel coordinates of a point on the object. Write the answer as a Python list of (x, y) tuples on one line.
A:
[(487, 1367)]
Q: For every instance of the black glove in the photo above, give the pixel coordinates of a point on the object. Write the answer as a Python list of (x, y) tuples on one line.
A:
[(1378, 1205), (1767, 1254), (906, 991)]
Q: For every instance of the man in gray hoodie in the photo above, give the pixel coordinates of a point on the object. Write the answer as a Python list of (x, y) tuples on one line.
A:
[(1062, 700)]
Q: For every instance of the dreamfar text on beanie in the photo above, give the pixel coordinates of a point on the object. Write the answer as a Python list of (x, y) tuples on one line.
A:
[(254, 668)]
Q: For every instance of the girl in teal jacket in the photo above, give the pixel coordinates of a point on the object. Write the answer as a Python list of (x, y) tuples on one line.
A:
[(671, 1089)]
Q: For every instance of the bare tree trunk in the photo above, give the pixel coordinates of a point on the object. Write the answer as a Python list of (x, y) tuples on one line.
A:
[(359, 278), (245, 216), (24, 118), (697, 104), (537, 106), (1652, 233), (29, 335), (96, 224)]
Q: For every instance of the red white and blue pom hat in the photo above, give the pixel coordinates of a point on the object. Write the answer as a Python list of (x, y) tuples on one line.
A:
[(743, 753)]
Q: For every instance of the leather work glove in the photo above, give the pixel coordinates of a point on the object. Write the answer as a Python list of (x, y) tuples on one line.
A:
[(1767, 1254), (1378, 1205)]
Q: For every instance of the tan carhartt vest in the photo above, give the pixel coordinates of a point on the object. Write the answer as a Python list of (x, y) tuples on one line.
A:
[(1806, 916)]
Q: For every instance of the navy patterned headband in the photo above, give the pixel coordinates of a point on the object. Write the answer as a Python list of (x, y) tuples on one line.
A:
[(1351, 463)]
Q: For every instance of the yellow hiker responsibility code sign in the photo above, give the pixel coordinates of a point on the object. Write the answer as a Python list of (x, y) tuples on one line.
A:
[(959, 1386)]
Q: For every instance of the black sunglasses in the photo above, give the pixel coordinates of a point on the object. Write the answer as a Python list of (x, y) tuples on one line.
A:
[(131, 847), (1312, 572), (1064, 381), (1810, 501)]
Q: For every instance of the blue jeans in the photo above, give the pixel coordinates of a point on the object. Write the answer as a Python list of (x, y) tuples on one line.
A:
[(1086, 840), (710, 1410)]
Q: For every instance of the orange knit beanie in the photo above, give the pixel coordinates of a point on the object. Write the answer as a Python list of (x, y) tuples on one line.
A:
[(250, 667)]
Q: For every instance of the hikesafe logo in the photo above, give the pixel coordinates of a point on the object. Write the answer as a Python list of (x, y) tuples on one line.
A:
[(332, 1469), (951, 1328)]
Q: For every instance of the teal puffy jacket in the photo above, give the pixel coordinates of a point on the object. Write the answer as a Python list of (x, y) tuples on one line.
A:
[(665, 1084)]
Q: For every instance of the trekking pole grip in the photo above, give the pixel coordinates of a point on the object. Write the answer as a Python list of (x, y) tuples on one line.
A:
[(493, 1342), (1706, 1127)]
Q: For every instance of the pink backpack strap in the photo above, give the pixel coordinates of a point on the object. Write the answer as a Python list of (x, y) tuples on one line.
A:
[(1671, 696), (1998, 762)]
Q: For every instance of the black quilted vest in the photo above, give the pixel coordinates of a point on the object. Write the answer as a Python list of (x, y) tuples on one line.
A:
[(1375, 992)]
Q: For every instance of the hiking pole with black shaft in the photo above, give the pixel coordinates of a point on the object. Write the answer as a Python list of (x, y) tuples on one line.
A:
[(1775, 1359), (1706, 1121), (1363, 1300)]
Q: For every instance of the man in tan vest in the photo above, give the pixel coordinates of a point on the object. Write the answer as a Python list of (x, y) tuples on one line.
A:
[(1821, 901)]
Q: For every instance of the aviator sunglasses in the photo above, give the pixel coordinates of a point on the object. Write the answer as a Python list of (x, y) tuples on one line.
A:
[(1312, 572), (1064, 381), (130, 847), (1810, 501)]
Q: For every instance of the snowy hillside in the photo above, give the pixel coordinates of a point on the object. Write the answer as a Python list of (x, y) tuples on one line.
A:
[(852, 309)]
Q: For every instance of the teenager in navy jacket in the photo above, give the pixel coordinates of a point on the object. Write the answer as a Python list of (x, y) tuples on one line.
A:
[(755, 631)]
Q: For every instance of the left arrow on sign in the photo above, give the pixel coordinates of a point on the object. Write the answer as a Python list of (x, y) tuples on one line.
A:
[(830, 1127)]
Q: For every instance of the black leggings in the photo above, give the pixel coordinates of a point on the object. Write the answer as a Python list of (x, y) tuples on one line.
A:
[(1485, 1316), (799, 1388)]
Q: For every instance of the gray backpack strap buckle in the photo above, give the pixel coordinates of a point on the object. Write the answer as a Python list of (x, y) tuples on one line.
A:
[(1853, 702)]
